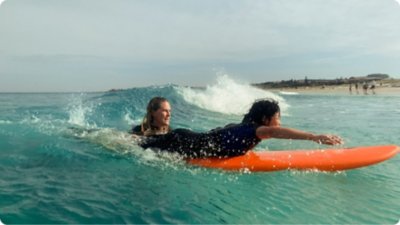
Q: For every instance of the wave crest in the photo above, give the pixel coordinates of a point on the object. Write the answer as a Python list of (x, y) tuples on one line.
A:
[(228, 96)]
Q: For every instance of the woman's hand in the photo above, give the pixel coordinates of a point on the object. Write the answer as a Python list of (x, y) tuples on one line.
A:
[(328, 139)]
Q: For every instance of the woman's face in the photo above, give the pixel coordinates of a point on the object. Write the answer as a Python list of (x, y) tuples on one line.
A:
[(275, 120), (162, 116)]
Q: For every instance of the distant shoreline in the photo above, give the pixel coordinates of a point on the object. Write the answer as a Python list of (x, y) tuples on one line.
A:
[(336, 89), (382, 84)]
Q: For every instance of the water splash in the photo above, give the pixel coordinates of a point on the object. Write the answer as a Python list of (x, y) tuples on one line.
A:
[(109, 138), (124, 143), (228, 96), (78, 112), (1, 2), (129, 118)]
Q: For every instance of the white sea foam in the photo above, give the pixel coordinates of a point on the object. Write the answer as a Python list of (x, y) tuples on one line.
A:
[(130, 119), (228, 96), (5, 122), (78, 111), (288, 93), (32, 119), (109, 138), (125, 143), (1, 2)]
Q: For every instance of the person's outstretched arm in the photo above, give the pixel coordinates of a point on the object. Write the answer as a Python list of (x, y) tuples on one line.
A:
[(265, 132)]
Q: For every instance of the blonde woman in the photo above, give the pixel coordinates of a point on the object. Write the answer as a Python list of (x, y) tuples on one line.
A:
[(157, 118)]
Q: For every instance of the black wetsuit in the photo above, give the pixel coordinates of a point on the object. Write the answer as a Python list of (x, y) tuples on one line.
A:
[(229, 141), (136, 130)]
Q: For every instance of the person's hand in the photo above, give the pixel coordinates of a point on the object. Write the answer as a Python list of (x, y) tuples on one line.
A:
[(328, 139)]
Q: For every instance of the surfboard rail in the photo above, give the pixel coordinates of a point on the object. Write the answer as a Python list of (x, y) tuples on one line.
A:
[(319, 159)]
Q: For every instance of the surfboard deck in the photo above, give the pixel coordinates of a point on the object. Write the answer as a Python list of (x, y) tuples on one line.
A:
[(321, 159)]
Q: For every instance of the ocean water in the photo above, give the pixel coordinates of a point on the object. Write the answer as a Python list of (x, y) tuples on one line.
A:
[(67, 158)]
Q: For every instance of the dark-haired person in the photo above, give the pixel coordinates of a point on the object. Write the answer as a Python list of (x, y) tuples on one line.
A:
[(157, 118), (261, 122)]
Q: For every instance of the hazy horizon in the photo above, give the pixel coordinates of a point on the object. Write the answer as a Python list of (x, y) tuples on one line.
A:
[(97, 45)]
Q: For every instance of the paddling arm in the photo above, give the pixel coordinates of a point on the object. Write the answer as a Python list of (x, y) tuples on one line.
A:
[(265, 132)]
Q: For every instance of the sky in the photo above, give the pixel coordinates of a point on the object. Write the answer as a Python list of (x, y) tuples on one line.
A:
[(97, 45)]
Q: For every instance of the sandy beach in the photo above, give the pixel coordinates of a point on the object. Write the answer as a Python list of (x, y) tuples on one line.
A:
[(339, 89)]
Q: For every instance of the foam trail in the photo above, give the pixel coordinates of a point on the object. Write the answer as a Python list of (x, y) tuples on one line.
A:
[(228, 96), (1, 2)]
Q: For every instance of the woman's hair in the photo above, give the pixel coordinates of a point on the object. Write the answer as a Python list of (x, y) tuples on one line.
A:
[(261, 110), (147, 126)]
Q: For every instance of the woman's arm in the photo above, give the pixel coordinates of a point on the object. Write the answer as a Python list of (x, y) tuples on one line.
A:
[(264, 132)]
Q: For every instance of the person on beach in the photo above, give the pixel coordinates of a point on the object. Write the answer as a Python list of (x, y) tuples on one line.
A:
[(365, 88), (157, 118), (261, 122), (356, 87), (373, 84)]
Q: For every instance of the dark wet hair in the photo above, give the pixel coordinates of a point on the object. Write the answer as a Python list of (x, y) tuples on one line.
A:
[(261, 110), (153, 105)]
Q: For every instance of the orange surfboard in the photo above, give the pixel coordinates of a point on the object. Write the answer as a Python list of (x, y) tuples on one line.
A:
[(321, 159)]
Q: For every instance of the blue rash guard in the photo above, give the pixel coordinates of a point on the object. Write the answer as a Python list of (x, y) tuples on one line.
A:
[(229, 141)]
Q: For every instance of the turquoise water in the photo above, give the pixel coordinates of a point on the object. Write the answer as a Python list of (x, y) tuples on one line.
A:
[(66, 158)]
